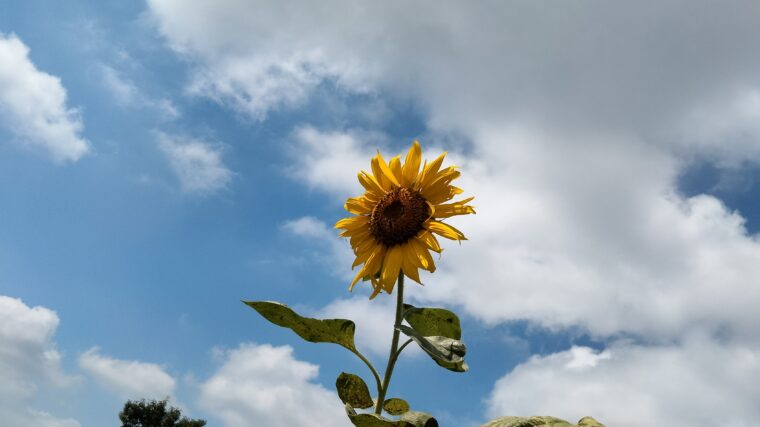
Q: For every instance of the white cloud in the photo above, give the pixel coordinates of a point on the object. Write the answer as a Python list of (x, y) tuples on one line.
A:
[(576, 141), (331, 160), (129, 378), (578, 205), (197, 164), (332, 250), (470, 65), (32, 418), (374, 321), (308, 226), (126, 93), (698, 382), (268, 385), (33, 105), (29, 362)]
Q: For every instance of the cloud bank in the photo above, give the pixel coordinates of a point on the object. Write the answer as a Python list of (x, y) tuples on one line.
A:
[(579, 120)]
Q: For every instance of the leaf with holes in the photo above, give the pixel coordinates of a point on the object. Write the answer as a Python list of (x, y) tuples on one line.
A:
[(395, 406), (353, 390), (336, 331), (433, 321)]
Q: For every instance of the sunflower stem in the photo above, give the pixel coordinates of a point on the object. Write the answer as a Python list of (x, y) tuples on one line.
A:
[(394, 345), (371, 368), (403, 346)]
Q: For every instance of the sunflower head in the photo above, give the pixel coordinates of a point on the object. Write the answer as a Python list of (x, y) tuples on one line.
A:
[(396, 220)]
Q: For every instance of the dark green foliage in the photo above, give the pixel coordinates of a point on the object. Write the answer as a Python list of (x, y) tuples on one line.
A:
[(353, 390), (154, 413)]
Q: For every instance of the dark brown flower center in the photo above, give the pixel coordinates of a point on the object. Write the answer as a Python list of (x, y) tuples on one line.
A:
[(398, 216)]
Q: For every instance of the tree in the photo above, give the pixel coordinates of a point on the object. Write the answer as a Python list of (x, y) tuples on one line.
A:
[(154, 413)]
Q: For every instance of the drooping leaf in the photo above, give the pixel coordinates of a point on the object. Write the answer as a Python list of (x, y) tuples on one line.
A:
[(540, 422), (353, 390), (337, 331), (395, 406), (433, 321), (446, 352), (419, 419)]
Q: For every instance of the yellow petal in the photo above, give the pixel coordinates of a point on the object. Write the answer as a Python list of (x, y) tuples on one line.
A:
[(363, 253), (380, 177), (376, 288), (440, 185), (449, 194), (445, 230), (424, 259), (427, 239), (395, 167), (386, 170), (409, 264), (430, 171), (358, 205), (370, 184), (391, 267), (370, 267), (456, 208), (352, 223), (412, 163), (359, 240)]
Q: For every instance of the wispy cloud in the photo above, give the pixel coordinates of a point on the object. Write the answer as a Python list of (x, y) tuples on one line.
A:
[(127, 94), (197, 164)]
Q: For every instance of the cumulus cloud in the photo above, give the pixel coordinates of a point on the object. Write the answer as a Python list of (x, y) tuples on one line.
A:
[(578, 122), (197, 164), (268, 385), (331, 159), (130, 379), (33, 105), (29, 361), (471, 65), (697, 382), (574, 161)]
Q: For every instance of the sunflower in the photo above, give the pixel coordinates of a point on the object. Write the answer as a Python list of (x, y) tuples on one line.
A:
[(397, 218)]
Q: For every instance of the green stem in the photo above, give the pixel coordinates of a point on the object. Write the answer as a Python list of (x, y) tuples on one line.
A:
[(403, 346), (394, 345), (371, 368)]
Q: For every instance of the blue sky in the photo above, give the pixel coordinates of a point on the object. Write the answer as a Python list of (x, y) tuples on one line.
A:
[(162, 160)]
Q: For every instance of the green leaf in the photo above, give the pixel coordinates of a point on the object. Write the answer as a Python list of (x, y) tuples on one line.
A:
[(433, 321), (337, 331), (589, 422), (371, 420), (419, 419), (446, 352), (395, 406), (540, 422), (353, 390)]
